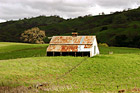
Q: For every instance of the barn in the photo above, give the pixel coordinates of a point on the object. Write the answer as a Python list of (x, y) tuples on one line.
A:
[(73, 46)]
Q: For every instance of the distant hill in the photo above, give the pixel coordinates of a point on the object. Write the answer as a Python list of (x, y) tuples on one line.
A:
[(10, 31), (117, 29)]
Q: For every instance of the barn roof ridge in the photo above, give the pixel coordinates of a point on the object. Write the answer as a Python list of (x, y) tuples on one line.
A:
[(81, 40), (76, 36)]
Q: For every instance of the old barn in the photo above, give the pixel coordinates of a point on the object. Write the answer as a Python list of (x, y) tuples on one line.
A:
[(73, 46)]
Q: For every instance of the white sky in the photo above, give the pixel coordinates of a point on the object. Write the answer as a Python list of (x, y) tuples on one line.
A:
[(15, 9)]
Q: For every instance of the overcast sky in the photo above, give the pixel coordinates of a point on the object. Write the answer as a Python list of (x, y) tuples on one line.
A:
[(15, 9)]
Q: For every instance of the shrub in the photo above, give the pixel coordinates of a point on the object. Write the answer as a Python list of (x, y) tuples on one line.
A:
[(103, 44)]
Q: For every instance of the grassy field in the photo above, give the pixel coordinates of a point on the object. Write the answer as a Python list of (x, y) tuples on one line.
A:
[(26, 65), (21, 50)]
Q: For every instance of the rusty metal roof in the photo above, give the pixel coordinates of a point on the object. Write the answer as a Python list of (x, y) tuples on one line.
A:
[(65, 48), (70, 43), (72, 40)]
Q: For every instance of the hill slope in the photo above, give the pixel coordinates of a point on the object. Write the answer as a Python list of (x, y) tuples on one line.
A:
[(23, 50), (10, 31), (102, 73), (117, 29)]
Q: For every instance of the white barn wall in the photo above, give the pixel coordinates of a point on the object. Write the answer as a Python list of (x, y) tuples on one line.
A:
[(97, 49), (91, 50), (82, 49)]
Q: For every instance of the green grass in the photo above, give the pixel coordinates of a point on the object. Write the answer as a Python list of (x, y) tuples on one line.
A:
[(9, 47), (24, 50), (118, 50), (102, 73), (21, 50), (29, 71), (106, 72)]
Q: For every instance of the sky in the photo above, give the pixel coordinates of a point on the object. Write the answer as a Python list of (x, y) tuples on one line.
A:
[(19, 9)]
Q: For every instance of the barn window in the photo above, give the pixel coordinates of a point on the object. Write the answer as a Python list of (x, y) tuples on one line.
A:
[(86, 54), (79, 54), (65, 53), (49, 53), (56, 53), (71, 53)]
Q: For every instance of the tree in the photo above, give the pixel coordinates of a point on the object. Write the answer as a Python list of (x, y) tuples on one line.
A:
[(33, 35), (103, 13)]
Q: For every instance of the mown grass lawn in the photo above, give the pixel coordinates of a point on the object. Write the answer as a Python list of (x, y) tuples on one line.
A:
[(102, 73)]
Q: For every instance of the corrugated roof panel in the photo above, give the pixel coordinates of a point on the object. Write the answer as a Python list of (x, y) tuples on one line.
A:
[(66, 48), (87, 46), (88, 40), (63, 48), (72, 40), (82, 40)]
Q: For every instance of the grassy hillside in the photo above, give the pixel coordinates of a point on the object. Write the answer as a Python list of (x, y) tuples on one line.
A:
[(21, 50), (10, 50), (117, 29), (103, 73)]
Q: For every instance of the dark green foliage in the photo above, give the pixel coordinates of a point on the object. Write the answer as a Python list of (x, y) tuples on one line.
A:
[(136, 41), (46, 40), (121, 40), (107, 28), (10, 31), (104, 28), (120, 19)]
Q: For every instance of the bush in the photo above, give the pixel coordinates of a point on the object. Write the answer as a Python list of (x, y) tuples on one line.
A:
[(46, 40), (103, 44)]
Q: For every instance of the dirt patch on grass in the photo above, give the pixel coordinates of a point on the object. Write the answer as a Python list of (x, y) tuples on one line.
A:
[(19, 89), (85, 91), (35, 89), (50, 88), (134, 90)]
